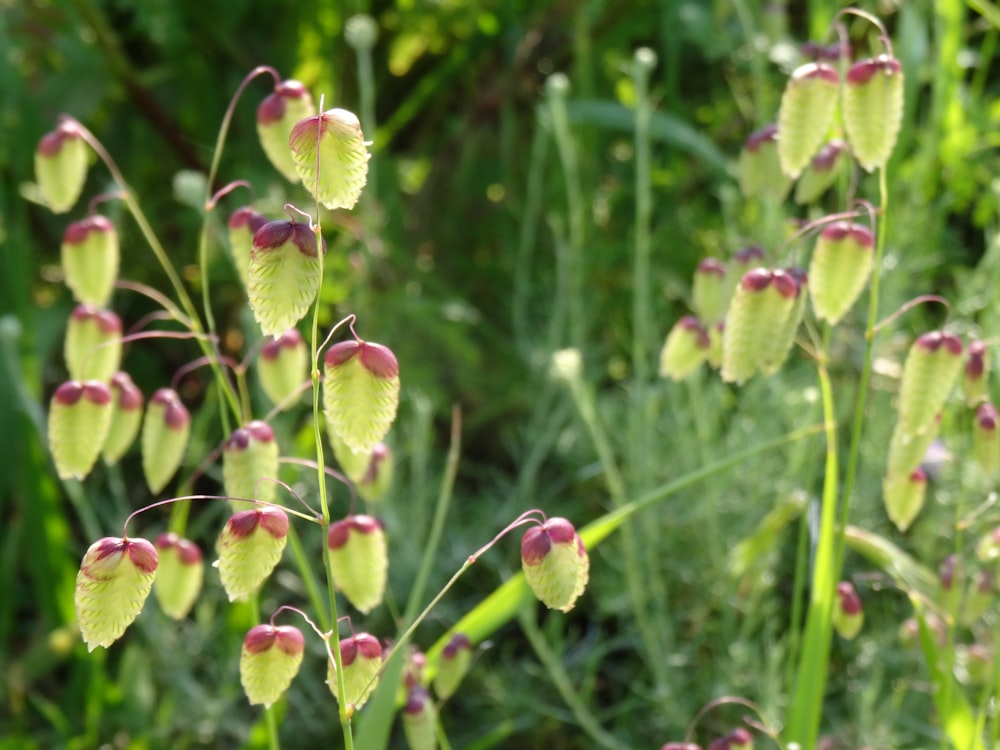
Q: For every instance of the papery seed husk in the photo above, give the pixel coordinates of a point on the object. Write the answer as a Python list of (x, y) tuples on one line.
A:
[(419, 720), (79, 420), (282, 365), (249, 464), (61, 166), (555, 563), (270, 659), (276, 116), (249, 547), (126, 417), (360, 393), (709, 292), (242, 225), (760, 166), (788, 289), (822, 173), (359, 560), (343, 157), (873, 109), (929, 373), (456, 658), (180, 575), (744, 337), (903, 497), (93, 344), (805, 114), (361, 655), (90, 258), (165, 432), (685, 349), (907, 450), (839, 270), (284, 275)]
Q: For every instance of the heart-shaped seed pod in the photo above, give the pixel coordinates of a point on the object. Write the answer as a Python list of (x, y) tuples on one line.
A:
[(269, 661), (283, 276), (282, 365), (903, 496), (360, 393), (873, 109), (359, 560), (243, 225), (165, 432), (249, 463), (848, 616), (276, 116), (93, 345), (823, 171), (709, 293), (361, 655), (929, 373), (685, 348), (986, 439), (90, 258), (180, 575), (805, 114), (249, 548), (79, 421), (976, 375), (420, 720), (760, 167), (343, 157), (453, 666), (378, 475), (839, 270), (907, 450), (761, 322), (789, 284), (126, 417), (555, 563), (61, 165), (113, 583)]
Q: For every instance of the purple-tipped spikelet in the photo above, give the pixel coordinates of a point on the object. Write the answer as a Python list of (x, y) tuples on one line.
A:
[(739, 739), (453, 666), (126, 417), (165, 432), (903, 496), (985, 438), (414, 668), (420, 720), (61, 165), (873, 109), (824, 169), (685, 348), (282, 365), (243, 225), (276, 116), (839, 270), (848, 616), (342, 157), (359, 560), (805, 114), (976, 375), (113, 583), (378, 474), (249, 548), (79, 421), (361, 655), (761, 322), (360, 393), (90, 257), (979, 597), (789, 283), (180, 575), (743, 260), (249, 463), (284, 274), (269, 661), (93, 345), (555, 563), (929, 373), (760, 167), (709, 293)]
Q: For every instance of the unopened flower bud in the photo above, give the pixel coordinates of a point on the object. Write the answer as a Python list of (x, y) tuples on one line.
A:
[(249, 548), (90, 258), (79, 420), (165, 432), (360, 392), (180, 575), (359, 560), (269, 661), (555, 563)]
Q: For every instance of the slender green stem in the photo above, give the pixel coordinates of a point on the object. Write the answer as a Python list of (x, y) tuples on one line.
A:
[(798, 597)]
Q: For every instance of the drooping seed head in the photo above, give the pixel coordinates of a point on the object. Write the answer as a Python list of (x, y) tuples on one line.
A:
[(361, 655), (282, 365), (165, 432), (840, 268), (929, 373), (243, 225), (250, 464), (270, 659), (61, 165), (283, 278), (250, 547), (276, 116), (180, 576), (334, 139), (975, 377), (453, 665), (709, 293), (805, 114), (359, 560), (419, 720), (555, 563), (79, 421), (685, 348), (848, 616), (903, 496), (90, 258), (760, 165), (377, 476), (873, 109), (822, 172), (93, 346), (360, 393)]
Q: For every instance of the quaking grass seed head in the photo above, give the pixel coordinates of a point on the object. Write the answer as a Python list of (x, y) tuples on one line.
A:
[(361, 655), (873, 109), (805, 114), (975, 375), (93, 345), (929, 373), (283, 365), (709, 294), (250, 547), (90, 258), (419, 719), (249, 464), (283, 278), (360, 393), (242, 225), (180, 574), (166, 428), (126, 417), (61, 165), (276, 116), (848, 615), (334, 139), (79, 421), (760, 166), (685, 348), (555, 563), (840, 267), (270, 659), (822, 172), (359, 560), (903, 496)]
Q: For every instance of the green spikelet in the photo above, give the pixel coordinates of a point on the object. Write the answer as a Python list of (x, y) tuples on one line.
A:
[(61, 165), (685, 348), (242, 225), (976, 375), (903, 497), (907, 450), (79, 420), (361, 655), (419, 720), (343, 157), (180, 575), (873, 109), (113, 583), (848, 616), (249, 462), (90, 258), (929, 373), (555, 563), (360, 393), (760, 167), (165, 432), (823, 171), (985, 439), (126, 417), (378, 475), (93, 345), (249, 548), (788, 287), (269, 661), (282, 365), (839, 270), (359, 560), (283, 276), (805, 114), (276, 116), (709, 292), (456, 658), (759, 309)]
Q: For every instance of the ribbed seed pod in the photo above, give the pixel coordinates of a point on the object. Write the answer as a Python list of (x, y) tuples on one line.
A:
[(61, 165), (555, 563), (359, 560), (126, 417), (709, 293), (249, 463), (360, 393), (249, 548), (848, 616), (760, 167), (420, 720), (93, 344), (79, 420), (243, 225), (343, 157), (790, 284), (907, 450), (805, 114), (284, 275), (276, 116), (823, 171), (456, 658), (839, 270), (986, 439), (115, 578), (928, 376), (743, 337), (976, 375), (361, 655), (180, 575), (685, 348), (269, 661), (282, 365), (90, 258), (165, 432), (873, 109), (903, 497)]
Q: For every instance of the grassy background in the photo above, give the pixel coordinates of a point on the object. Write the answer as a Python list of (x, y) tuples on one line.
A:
[(474, 254)]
